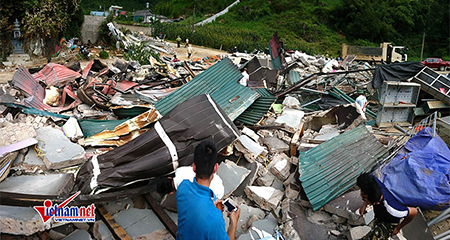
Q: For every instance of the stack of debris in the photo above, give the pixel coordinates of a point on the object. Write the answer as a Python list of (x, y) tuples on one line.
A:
[(294, 136)]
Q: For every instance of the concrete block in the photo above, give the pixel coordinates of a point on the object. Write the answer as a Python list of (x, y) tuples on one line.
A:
[(265, 180), (278, 184), (60, 152), (267, 225), (292, 118), (78, 235), (251, 157), (21, 221), (251, 145), (51, 185), (320, 218), (275, 145), (338, 219), (280, 166), (268, 198), (347, 206), (358, 232), (232, 176)]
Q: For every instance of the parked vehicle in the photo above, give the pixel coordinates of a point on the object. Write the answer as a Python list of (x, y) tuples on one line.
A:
[(385, 53), (436, 63)]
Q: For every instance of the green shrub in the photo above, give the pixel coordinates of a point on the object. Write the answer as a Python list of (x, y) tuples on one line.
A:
[(104, 55)]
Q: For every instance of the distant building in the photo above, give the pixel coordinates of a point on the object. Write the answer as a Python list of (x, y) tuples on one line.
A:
[(146, 14), (98, 13)]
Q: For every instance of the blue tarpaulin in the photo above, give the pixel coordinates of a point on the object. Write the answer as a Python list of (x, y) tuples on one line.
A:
[(419, 175)]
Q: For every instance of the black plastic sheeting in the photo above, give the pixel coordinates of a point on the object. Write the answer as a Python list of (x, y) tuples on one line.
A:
[(189, 123), (327, 101), (395, 72)]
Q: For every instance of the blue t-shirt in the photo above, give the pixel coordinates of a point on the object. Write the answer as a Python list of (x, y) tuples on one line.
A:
[(198, 217)]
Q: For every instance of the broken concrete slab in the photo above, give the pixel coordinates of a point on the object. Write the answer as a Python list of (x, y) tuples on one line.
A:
[(291, 117), (306, 229), (79, 235), (275, 145), (232, 176), (169, 202), (21, 221), (265, 180), (280, 166), (141, 223), (249, 180), (82, 225), (320, 218), (291, 102), (267, 225), (347, 206), (119, 205), (246, 218), (51, 185), (278, 184), (268, 198), (358, 232), (59, 151)]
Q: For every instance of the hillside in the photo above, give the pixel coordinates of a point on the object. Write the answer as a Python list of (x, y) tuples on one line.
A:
[(313, 26)]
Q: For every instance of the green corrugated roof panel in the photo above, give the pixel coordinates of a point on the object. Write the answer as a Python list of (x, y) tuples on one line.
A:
[(90, 127), (294, 77), (209, 81), (258, 109), (331, 168), (234, 99)]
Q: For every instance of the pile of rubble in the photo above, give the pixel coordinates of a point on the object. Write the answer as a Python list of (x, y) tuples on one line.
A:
[(292, 140)]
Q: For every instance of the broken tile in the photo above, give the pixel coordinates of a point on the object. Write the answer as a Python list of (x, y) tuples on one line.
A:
[(278, 184), (249, 156), (21, 220), (101, 231), (250, 145), (267, 225), (59, 151), (78, 235), (247, 131), (232, 176), (267, 198), (280, 166), (246, 215), (51, 185), (275, 145)]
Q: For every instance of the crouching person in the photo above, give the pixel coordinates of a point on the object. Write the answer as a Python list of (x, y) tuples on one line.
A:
[(388, 210), (198, 216)]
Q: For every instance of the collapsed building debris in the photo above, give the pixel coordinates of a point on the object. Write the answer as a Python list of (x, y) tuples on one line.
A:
[(293, 138)]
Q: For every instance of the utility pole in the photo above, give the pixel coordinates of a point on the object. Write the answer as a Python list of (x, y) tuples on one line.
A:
[(423, 43), (193, 20)]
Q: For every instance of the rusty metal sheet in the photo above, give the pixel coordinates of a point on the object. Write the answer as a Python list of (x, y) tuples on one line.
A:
[(54, 74), (24, 81), (124, 128), (121, 140)]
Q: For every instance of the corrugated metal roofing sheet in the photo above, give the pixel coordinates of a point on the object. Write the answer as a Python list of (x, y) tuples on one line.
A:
[(234, 99), (258, 109), (223, 77), (331, 168), (54, 74)]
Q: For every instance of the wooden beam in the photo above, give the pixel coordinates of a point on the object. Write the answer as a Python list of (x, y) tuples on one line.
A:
[(162, 215), (114, 227)]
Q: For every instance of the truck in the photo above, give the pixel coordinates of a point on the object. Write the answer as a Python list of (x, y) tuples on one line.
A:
[(437, 63), (385, 53)]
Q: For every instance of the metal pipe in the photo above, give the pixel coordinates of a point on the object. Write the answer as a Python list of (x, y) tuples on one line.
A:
[(434, 124), (445, 213), (443, 236)]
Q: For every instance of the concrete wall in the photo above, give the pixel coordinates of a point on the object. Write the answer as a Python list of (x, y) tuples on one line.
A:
[(145, 30), (89, 30)]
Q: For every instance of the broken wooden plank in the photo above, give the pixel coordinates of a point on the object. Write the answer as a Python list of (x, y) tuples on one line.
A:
[(113, 226), (162, 215)]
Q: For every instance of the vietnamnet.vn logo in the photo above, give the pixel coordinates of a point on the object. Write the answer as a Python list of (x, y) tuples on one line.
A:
[(62, 213)]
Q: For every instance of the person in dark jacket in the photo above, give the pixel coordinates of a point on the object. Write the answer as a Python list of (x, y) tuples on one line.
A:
[(388, 210)]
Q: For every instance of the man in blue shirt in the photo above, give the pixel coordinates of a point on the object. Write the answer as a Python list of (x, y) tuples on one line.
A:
[(198, 216)]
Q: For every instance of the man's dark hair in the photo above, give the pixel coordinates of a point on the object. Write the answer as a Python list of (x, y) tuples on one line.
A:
[(164, 185), (205, 157), (369, 186)]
